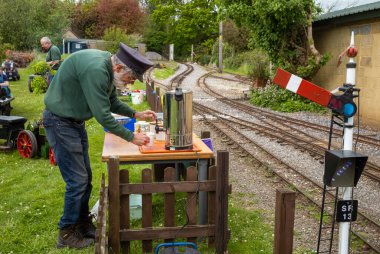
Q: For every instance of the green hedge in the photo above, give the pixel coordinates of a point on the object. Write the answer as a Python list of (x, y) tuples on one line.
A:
[(283, 100)]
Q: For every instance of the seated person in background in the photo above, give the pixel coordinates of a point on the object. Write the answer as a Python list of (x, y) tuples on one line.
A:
[(5, 91), (8, 64)]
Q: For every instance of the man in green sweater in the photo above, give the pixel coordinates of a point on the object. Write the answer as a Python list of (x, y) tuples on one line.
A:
[(53, 56), (84, 87)]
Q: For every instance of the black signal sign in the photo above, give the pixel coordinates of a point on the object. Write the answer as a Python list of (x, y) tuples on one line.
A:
[(347, 210)]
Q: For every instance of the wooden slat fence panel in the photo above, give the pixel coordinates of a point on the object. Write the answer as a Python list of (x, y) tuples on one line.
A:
[(211, 205), (191, 202), (119, 189), (222, 201), (167, 232), (164, 187), (169, 203), (153, 97), (114, 205), (147, 209), (158, 105), (148, 92), (101, 239), (124, 210)]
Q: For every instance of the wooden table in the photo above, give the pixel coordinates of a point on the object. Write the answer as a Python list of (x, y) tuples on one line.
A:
[(129, 153)]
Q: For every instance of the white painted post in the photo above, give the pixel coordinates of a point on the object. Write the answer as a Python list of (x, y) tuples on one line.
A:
[(344, 227), (192, 52), (63, 46), (171, 52), (220, 46)]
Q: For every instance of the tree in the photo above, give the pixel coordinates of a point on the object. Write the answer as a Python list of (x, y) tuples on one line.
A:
[(115, 35), (283, 29), (24, 22), (183, 23), (84, 19), (236, 37), (91, 18), (125, 14)]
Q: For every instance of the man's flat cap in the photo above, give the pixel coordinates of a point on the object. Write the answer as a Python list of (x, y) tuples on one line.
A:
[(134, 60)]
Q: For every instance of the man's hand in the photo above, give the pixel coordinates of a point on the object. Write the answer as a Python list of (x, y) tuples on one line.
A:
[(147, 114), (52, 63), (140, 139)]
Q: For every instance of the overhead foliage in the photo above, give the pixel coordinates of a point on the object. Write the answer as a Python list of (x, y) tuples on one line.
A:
[(115, 35), (236, 37), (282, 28), (24, 22), (84, 19), (182, 23), (91, 18), (125, 14)]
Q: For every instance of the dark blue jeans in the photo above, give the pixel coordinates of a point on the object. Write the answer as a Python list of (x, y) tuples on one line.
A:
[(69, 141)]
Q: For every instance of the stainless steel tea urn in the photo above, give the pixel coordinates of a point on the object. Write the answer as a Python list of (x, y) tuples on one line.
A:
[(178, 119)]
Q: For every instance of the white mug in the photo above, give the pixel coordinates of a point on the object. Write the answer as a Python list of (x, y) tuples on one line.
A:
[(151, 138)]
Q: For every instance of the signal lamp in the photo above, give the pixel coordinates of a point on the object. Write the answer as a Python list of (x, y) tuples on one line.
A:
[(343, 105), (343, 168)]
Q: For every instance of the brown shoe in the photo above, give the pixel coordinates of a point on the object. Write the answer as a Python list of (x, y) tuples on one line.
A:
[(87, 228), (72, 238)]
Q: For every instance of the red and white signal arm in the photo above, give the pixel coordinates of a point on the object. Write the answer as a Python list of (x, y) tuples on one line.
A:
[(302, 87)]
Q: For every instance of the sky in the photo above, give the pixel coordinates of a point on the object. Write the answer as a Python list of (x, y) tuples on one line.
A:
[(335, 5)]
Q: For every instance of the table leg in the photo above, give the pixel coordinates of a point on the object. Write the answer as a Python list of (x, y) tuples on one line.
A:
[(202, 176), (177, 171)]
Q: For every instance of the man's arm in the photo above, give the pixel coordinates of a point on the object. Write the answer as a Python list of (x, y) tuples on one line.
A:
[(5, 81)]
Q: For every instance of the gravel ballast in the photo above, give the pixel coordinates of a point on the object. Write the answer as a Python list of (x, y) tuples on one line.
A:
[(252, 182)]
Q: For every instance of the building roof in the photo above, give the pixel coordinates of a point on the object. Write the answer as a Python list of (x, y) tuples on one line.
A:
[(360, 12)]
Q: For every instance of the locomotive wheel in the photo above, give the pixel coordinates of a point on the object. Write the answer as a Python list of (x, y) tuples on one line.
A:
[(27, 144), (52, 157)]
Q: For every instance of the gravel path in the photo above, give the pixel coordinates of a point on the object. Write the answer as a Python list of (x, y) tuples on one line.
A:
[(255, 187)]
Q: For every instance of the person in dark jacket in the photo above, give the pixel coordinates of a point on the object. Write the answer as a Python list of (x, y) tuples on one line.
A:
[(84, 87), (5, 91)]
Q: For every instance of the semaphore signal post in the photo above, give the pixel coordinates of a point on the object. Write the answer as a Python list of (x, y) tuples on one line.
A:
[(343, 168)]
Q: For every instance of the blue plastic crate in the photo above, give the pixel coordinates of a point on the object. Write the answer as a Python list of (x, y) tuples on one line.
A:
[(127, 122)]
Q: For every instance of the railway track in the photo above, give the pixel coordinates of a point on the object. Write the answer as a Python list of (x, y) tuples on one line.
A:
[(281, 118), (231, 132), (283, 131), (279, 125)]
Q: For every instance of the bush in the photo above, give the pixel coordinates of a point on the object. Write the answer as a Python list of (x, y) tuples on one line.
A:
[(22, 59), (6, 50), (204, 59), (255, 63), (40, 68), (260, 66), (38, 85), (283, 100), (114, 35), (235, 61)]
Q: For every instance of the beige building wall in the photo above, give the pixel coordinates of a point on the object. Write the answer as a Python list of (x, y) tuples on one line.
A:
[(335, 40)]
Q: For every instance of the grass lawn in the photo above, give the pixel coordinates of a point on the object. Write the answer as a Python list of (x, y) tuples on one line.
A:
[(31, 194)]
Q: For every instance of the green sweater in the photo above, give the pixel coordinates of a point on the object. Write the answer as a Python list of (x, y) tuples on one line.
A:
[(82, 88), (53, 54)]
